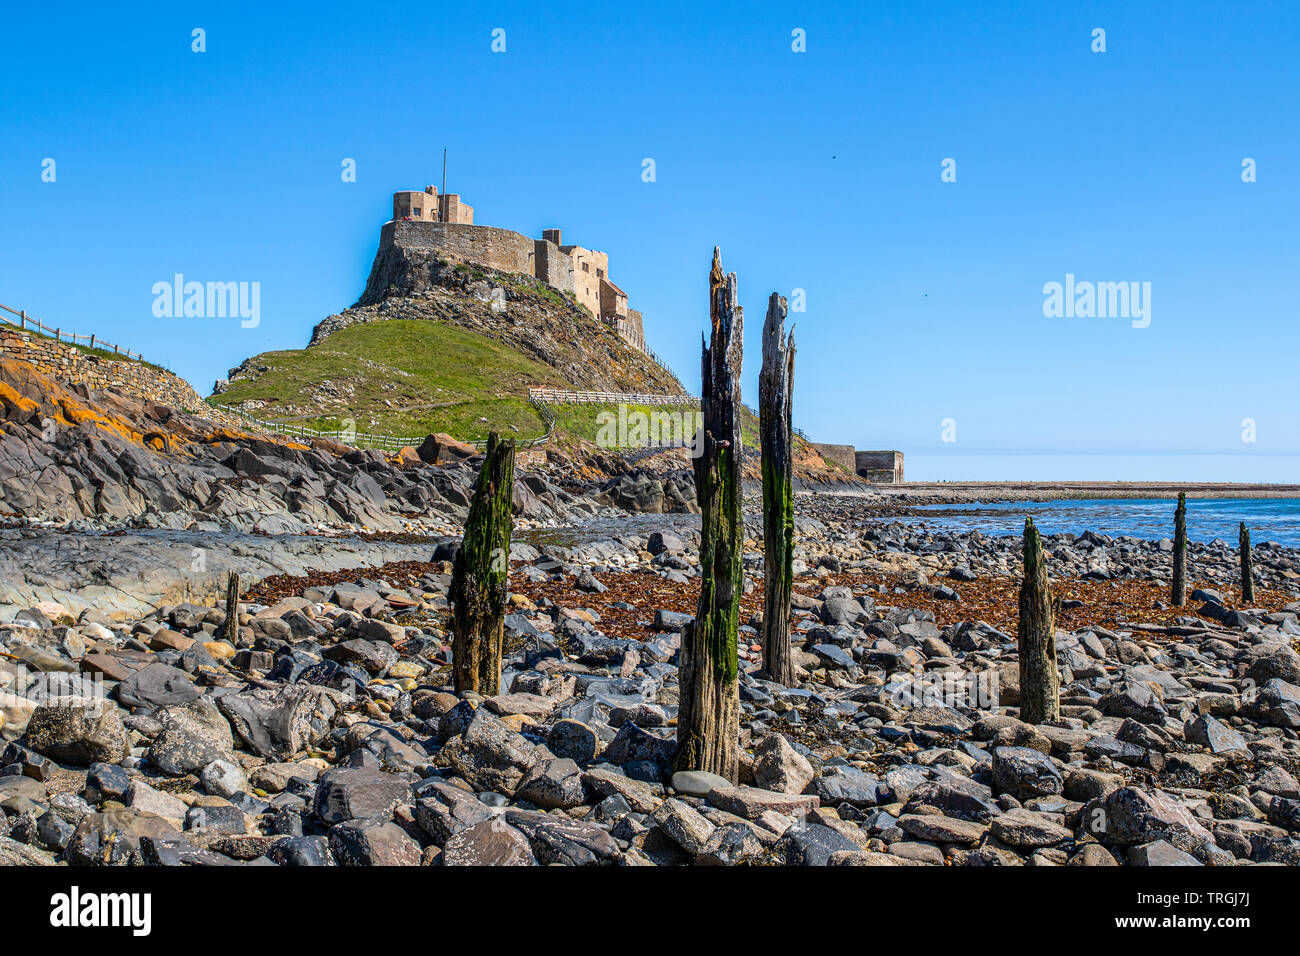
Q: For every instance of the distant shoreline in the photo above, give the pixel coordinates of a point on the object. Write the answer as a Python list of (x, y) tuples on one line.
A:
[(965, 492)]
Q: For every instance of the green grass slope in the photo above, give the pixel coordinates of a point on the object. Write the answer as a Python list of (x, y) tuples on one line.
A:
[(398, 377)]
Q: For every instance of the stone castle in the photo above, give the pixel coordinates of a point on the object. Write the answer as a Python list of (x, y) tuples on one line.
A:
[(445, 225)]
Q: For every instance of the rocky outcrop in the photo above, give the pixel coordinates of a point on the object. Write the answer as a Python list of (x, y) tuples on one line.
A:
[(518, 311), (109, 460)]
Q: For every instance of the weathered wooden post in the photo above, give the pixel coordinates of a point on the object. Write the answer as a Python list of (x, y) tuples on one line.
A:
[(775, 399), (1036, 636), (230, 629), (1178, 595), (1247, 565), (708, 716), (480, 573)]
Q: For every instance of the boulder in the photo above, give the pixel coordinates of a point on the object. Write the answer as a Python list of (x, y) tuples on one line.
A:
[(779, 767), (78, 731), (193, 735)]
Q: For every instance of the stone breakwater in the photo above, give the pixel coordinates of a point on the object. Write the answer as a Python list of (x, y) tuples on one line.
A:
[(326, 731)]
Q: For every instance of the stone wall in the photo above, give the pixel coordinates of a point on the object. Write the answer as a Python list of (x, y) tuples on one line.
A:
[(589, 267), (880, 466), (484, 245), (632, 329), (416, 205), (841, 455), (452, 210), (552, 266), (74, 367), (583, 273)]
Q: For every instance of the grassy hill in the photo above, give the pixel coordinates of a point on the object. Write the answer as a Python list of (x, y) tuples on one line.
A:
[(399, 377)]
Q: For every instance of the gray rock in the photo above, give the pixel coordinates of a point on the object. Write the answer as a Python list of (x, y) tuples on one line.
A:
[(1025, 773), (491, 756), (934, 828), (811, 844), (1161, 853), (1131, 816), (156, 686), (1025, 829), (193, 735), (642, 797), (697, 783), (633, 744), (280, 722), (558, 839), (488, 843), (683, 824), (1133, 700), (554, 784), (1208, 732), (779, 767), (846, 785), (572, 739), (372, 843), (302, 851), (78, 731), (444, 810), (224, 778), (359, 793)]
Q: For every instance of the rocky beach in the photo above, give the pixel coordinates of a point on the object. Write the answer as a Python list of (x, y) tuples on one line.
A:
[(327, 732)]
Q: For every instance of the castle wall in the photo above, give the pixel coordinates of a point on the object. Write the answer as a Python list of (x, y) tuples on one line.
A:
[(417, 205), (484, 245), (880, 466), (613, 301), (552, 266), (583, 273), (589, 267), (452, 209), (636, 329)]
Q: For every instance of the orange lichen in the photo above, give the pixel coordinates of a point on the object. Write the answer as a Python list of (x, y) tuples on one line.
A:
[(10, 397)]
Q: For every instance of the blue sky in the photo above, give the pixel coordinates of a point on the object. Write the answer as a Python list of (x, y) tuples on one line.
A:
[(817, 170)]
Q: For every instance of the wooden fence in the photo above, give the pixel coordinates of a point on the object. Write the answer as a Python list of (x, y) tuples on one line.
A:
[(559, 396), (25, 322)]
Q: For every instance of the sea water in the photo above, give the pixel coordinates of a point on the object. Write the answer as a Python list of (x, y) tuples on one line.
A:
[(1269, 519)]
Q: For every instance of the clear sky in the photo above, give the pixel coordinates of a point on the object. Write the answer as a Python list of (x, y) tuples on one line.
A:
[(816, 170)]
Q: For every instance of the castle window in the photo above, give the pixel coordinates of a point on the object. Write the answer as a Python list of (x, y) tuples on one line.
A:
[(586, 267), (600, 273)]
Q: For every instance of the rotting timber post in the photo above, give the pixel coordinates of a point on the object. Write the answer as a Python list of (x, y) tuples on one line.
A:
[(708, 721), (1247, 566), (1040, 681), (1178, 593), (480, 572), (775, 397), (230, 628)]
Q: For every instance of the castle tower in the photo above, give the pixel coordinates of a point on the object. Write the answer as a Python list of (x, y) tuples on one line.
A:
[(420, 206)]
